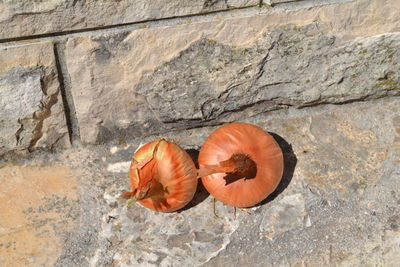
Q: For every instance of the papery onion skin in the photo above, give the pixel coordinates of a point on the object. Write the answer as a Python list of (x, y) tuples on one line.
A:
[(171, 174), (259, 146)]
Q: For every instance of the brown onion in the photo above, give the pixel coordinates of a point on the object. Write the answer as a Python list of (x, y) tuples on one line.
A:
[(163, 176), (240, 164)]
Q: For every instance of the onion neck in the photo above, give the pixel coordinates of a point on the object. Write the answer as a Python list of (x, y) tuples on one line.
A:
[(153, 190), (239, 164), (135, 195)]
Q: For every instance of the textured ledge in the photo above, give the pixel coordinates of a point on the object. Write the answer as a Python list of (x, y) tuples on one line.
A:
[(25, 18)]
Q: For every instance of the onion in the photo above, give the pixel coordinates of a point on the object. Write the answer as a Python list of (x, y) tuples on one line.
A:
[(240, 164), (163, 176)]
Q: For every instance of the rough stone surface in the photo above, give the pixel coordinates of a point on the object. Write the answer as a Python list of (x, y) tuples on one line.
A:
[(336, 205), (24, 18), (346, 170), (32, 113), (287, 214), (38, 206), (120, 92)]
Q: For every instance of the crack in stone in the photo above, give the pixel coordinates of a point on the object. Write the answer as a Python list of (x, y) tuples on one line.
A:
[(66, 94), (18, 133), (44, 113)]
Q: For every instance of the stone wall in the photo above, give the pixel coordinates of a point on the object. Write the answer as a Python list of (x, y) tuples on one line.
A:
[(100, 71)]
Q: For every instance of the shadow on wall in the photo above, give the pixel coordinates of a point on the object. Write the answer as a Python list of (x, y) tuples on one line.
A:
[(290, 161)]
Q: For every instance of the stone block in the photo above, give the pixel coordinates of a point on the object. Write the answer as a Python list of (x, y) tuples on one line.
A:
[(31, 114), (32, 17), (148, 81)]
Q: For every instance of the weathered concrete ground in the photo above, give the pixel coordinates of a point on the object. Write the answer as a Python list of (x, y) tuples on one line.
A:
[(338, 203)]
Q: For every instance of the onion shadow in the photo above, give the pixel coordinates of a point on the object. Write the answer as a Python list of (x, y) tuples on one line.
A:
[(233, 177), (201, 193), (290, 161)]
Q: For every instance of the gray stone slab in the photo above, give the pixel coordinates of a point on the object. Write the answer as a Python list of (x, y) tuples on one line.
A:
[(25, 18), (31, 114), (192, 80)]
